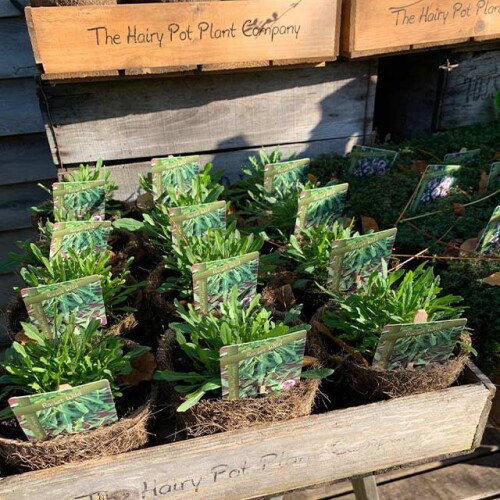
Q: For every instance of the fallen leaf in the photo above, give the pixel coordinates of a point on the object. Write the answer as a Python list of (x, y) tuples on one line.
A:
[(308, 361), (469, 245), (463, 150), (22, 338), (458, 209), (421, 316), (419, 166), (285, 297), (312, 178), (493, 280), (143, 368), (483, 183), (145, 202), (368, 224)]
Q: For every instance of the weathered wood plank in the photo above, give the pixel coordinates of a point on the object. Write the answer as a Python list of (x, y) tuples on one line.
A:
[(177, 34), (16, 56), (270, 459), (469, 91), (19, 108), (142, 119), (25, 158), (15, 204), (9, 9), (228, 162)]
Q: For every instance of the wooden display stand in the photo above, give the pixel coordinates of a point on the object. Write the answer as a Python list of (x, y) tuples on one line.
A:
[(138, 39), (268, 460)]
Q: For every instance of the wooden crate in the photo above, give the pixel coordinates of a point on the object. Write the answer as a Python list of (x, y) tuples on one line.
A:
[(138, 39), (271, 459), (372, 27)]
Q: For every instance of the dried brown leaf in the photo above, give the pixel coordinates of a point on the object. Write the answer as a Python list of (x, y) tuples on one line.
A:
[(492, 280), (483, 183), (458, 209), (469, 245), (368, 224), (143, 368)]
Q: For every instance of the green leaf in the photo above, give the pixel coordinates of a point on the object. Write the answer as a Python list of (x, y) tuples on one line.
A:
[(317, 373), (127, 224)]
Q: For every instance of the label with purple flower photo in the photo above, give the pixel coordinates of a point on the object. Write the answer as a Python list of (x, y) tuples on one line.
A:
[(365, 161), (413, 345), (213, 281), (83, 200), (66, 411), (320, 206), (462, 158), (195, 220), (489, 244), (173, 173), (353, 260), (286, 176), (81, 298), (263, 366), (435, 184), (494, 177), (79, 236)]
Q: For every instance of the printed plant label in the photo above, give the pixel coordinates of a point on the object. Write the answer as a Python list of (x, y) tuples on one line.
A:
[(79, 200), (436, 183), (79, 236), (286, 176), (173, 173), (464, 158), (81, 297), (411, 345), (320, 206), (489, 244), (354, 259), (494, 177), (367, 161), (213, 281), (262, 367), (195, 220), (68, 411)]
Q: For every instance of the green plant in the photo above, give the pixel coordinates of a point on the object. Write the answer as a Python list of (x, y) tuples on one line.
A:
[(310, 251), (202, 336), (214, 244), (388, 298), (42, 365), (116, 288)]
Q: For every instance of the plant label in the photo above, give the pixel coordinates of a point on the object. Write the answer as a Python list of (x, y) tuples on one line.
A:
[(79, 236), (68, 411), (435, 184), (320, 206), (195, 220), (411, 345), (213, 281), (489, 243), (354, 259), (173, 173), (463, 158), (81, 297), (365, 161), (262, 366), (494, 177), (286, 176), (79, 200)]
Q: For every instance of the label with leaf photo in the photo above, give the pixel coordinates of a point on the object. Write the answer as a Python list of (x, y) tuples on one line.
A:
[(79, 200), (435, 184), (213, 281), (285, 176), (67, 411), (79, 236), (81, 298), (263, 366), (489, 244), (410, 345), (494, 177), (463, 158), (353, 260), (365, 161), (320, 206), (173, 173), (195, 220)]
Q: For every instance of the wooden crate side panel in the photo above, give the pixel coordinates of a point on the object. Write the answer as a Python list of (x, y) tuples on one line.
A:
[(469, 91), (8, 9), (268, 460), (16, 55), (142, 119), (175, 34), (19, 107), (25, 158), (384, 25)]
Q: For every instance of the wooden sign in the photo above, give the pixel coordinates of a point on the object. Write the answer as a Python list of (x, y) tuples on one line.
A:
[(118, 37), (383, 26)]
